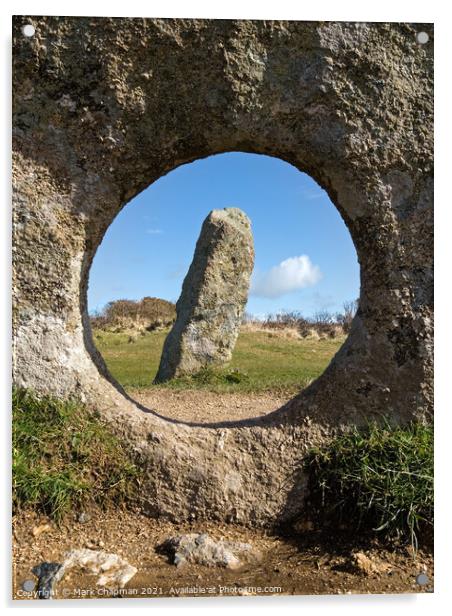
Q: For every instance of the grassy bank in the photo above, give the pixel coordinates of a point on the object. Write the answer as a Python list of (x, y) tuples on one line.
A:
[(380, 478), (261, 361), (65, 458)]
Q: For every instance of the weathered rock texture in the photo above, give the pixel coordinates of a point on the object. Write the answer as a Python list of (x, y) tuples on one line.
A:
[(201, 549), (213, 298), (112, 570), (103, 107)]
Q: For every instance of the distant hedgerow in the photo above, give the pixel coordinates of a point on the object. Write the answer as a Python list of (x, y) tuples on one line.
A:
[(148, 313)]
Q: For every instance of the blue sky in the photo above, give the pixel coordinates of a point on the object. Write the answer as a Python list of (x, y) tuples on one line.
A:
[(305, 258)]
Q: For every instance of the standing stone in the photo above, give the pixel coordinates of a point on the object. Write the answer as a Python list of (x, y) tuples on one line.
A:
[(214, 294)]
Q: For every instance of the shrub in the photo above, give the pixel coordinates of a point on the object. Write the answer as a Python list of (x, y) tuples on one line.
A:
[(283, 319), (323, 323), (64, 457), (323, 317), (148, 313), (379, 478), (346, 317)]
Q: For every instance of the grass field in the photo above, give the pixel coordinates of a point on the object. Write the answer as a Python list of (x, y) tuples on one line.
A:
[(262, 361)]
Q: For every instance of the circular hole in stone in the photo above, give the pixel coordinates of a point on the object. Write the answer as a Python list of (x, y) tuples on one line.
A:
[(422, 38), (302, 297), (28, 30)]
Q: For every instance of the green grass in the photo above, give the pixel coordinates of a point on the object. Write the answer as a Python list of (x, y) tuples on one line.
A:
[(261, 362), (379, 478), (64, 457)]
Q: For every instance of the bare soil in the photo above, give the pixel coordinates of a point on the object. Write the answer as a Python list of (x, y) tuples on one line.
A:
[(201, 406), (302, 562)]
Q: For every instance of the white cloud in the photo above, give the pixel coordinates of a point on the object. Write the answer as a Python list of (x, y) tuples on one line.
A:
[(154, 231), (290, 275)]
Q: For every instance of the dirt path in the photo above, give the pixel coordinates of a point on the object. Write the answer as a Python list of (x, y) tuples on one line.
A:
[(307, 563), (202, 406)]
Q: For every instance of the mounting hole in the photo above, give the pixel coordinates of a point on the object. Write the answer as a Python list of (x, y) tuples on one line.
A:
[(28, 30), (422, 579), (422, 38), (28, 585)]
